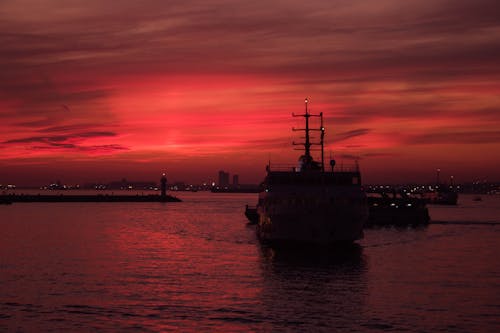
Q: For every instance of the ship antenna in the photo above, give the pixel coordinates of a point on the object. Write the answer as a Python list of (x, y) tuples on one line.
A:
[(307, 158), (307, 144), (322, 128)]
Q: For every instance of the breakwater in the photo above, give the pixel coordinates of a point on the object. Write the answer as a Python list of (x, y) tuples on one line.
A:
[(11, 198)]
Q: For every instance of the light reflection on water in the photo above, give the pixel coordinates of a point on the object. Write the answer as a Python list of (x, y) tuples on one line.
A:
[(196, 265)]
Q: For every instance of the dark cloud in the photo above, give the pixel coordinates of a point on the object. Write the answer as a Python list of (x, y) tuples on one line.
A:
[(73, 142), (348, 157), (490, 114), (454, 137), (379, 154), (73, 127), (104, 148), (59, 138), (91, 149), (35, 123), (337, 41), (365, 155), (335, 36), (350, 134)]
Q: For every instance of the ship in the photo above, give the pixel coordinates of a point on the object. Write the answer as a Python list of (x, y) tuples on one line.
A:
[(400, 210), (442, 194), (306, 204)]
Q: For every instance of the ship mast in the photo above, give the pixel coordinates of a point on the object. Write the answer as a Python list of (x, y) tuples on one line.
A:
[(307, 158), (307, 144), (322, 142)]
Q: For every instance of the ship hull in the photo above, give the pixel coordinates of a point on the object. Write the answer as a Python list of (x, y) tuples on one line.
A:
[(322, 224), (396, 211)]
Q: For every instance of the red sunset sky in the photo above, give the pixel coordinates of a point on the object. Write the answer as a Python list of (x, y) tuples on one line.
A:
[(101, 90)]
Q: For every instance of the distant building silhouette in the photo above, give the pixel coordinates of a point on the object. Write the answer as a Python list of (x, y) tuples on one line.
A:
[(236, 181), (223, 178)]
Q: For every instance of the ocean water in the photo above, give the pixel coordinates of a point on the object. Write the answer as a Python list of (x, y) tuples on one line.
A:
[(196, 266)]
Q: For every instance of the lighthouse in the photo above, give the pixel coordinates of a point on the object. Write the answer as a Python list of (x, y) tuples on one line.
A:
[(163, 187)]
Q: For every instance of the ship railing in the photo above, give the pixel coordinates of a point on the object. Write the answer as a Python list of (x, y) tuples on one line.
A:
[(283, 167), (296, 168), (343, 168)]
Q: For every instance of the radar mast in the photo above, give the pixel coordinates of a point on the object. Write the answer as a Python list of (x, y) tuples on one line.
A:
[(307, 161)]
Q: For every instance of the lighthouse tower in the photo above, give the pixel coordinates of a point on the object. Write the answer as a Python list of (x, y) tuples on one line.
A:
[(163, 187)]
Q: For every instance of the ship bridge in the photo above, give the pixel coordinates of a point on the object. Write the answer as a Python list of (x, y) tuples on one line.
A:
[(313, 178)]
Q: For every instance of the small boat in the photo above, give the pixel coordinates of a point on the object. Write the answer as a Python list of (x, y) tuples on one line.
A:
[(441, 194), (401, 210)]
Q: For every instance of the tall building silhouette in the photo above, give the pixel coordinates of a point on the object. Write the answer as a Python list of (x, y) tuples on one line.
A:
[(223, 178)]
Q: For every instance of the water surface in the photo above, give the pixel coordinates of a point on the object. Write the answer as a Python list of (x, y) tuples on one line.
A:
[(197, 266)]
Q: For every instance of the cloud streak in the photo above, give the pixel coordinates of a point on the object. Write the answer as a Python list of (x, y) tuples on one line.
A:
[(350, 134), (69, 142)]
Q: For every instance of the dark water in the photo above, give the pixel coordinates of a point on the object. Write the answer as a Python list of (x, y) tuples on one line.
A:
[(196, 266)]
